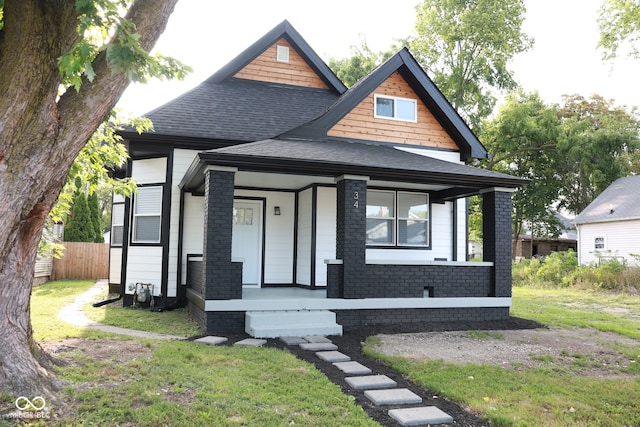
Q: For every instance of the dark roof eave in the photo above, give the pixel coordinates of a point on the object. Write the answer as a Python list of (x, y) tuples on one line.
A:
[(324, 168)]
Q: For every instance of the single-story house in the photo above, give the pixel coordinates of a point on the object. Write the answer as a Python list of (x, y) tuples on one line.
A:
[(273, 200), (609, 228)]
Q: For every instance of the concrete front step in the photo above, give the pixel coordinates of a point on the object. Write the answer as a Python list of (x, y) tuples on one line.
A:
[(276, 324)]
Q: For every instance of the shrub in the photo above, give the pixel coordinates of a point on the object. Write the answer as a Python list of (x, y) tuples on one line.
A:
[(561, 269)]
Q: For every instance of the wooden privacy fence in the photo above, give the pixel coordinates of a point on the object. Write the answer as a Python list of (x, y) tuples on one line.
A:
[(82, 261)]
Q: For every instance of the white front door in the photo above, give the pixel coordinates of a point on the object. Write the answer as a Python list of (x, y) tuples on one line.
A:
[(247, 239)]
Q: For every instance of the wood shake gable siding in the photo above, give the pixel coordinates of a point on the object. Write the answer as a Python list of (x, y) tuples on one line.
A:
[(361, 124), (296, 72)]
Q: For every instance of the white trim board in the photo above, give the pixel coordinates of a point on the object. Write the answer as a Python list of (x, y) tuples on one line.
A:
[(352, 304)]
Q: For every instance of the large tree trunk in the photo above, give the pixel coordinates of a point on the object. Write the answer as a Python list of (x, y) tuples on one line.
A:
[(40, 136)]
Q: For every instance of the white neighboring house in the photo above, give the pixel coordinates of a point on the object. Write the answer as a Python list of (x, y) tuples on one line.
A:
[(610, 226)]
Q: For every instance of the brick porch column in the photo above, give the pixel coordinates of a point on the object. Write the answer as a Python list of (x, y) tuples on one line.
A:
[(496, 231), (222, 278), (351, 230)]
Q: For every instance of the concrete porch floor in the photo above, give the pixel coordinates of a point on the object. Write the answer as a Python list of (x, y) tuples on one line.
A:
[(290, 298)]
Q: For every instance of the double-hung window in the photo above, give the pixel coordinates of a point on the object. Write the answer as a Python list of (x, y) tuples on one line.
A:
[(117, 224), (397, 218), (147, 215), (392, 107)]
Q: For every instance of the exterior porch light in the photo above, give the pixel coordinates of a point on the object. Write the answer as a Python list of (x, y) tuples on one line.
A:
[(276, 210)]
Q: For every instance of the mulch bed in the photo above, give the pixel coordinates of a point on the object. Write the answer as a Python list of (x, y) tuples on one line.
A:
[(350, 344)]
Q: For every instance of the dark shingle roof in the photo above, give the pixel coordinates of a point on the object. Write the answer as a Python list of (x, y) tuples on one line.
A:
[(622, 197), (239, 110), (329, 157)]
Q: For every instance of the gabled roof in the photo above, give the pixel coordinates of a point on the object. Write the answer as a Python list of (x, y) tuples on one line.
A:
[(405, 64), (238, 110), (618, 202), (283, 30), (223, 108)]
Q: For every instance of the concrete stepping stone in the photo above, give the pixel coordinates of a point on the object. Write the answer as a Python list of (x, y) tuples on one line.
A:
[(424, 415), (293, 340), (352, 368), (392, 396), (371, 382), (318, 346), (251, 342), (317, 338), (333, 356), (211, 340)]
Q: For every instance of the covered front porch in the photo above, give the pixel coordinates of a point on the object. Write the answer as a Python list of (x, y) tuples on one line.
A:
[(365, 283)]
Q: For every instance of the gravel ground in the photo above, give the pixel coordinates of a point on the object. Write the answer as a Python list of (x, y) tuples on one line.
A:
[(516, 349)]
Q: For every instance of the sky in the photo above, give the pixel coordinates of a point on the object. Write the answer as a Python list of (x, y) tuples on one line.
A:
[(207, 34)]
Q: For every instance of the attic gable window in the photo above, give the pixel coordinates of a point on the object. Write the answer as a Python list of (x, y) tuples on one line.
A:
[(391, 107), (282, 54)]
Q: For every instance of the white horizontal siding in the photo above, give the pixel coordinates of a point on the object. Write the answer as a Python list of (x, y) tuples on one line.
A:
[(181, 161), (325, 232), (303, 272), (145, 266), (279, 232), (447, 156), (461, 230), (149, 171), (622, 238), (115, 265), (193, 229)]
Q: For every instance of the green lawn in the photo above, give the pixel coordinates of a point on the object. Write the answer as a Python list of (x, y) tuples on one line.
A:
[(46, 302), (113, 380), (548, 396), (175, 322)]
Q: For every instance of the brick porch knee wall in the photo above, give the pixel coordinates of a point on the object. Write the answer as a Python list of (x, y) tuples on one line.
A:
[(221, 322), (410, 281), (360, 318)]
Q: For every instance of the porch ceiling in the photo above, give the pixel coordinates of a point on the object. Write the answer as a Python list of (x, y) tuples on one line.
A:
[(296, 182)]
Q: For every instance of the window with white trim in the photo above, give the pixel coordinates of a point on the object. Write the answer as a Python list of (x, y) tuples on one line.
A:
[(117, 224), (397, 218), (147, 215), (599, 243), (392, 107)]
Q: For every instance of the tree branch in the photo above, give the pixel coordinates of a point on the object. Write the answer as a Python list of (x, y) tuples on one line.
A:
[(96, 99)]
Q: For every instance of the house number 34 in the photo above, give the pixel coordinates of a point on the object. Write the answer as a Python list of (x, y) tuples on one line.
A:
[(355, 199)]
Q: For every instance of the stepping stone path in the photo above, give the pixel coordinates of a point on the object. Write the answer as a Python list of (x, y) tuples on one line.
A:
[(380, 389), (251, 342), (211, 340)]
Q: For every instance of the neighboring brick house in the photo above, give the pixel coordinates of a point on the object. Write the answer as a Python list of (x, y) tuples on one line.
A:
[(274, 200), (609, 228)]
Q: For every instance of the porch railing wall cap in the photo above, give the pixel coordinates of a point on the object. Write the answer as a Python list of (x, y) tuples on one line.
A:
[(220, 168), (428, 262), (352, 177), (498, 190)]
